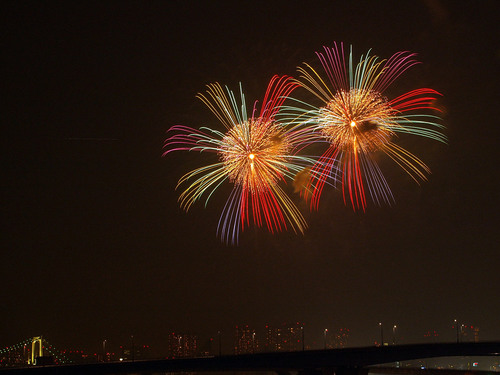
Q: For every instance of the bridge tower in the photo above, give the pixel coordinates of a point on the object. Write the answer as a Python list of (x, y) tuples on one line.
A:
[(36, 340)]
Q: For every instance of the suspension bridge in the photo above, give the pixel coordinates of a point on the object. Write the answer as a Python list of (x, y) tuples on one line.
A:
[(34, 351)]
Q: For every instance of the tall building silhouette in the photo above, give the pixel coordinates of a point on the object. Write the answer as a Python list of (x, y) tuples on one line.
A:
[(182, 345), (285, 338), (245, 340)]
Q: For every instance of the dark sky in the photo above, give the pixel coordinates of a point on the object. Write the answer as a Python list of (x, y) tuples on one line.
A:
[(94, 244)]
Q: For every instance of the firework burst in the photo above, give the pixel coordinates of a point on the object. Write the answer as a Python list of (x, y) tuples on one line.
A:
[(357, 120), (255, 153)]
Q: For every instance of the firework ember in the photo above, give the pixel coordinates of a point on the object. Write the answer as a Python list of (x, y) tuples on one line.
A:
[(357, 120), (255, 154)]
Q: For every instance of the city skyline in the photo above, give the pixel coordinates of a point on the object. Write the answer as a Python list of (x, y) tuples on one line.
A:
[(241, 339), (141, 356), (95, 245)]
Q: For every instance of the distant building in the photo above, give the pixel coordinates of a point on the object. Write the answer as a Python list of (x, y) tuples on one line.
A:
[(432, 336), (245, 340), (14, 358), (469, 333), (341, 337), (476, 333), (337, 339), (182, 345), (286, 338), (79, 356)]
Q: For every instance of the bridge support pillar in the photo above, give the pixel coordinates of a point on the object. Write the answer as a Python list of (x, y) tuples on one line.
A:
[(34, 341)]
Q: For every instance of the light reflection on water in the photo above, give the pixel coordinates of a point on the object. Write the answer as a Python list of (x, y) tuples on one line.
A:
[(479, 363)]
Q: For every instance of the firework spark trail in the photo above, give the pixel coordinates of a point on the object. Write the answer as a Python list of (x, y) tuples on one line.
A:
[(255, 154), (357, 121)]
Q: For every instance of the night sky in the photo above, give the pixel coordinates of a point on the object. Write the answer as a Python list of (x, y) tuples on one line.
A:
[(95, 246)]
